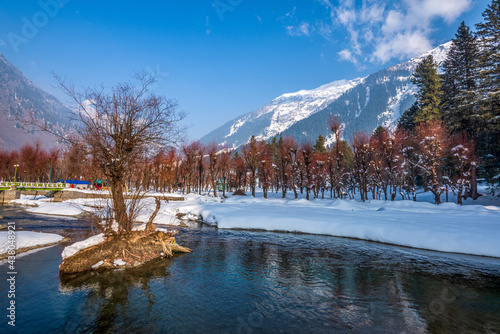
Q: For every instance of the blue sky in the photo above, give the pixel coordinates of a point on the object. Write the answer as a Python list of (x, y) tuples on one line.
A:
[(222, 58)]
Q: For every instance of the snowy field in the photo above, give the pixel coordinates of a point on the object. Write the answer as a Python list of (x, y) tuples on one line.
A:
[(470, 229)]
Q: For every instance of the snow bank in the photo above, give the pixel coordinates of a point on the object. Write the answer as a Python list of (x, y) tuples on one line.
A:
[(28, 239), (60, 209), (24, 201), (78, 246), (43, 205), (472, 229)]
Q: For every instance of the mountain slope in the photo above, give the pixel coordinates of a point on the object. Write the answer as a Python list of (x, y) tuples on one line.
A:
[(280, 114), (363, 104), (19, 98)]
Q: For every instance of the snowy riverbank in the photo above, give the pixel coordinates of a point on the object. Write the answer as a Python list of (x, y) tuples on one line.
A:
[(26, 240), (470, 229), (448, 227)]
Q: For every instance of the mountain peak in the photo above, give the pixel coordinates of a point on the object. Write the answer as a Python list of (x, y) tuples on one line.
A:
[(362, 103)]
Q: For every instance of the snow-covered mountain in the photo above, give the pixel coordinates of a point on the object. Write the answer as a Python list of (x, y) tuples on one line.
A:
[(362, 103), (20, 99)]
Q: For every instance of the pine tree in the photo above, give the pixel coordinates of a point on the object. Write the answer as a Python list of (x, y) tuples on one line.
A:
[(488, 33), (319, 145), (460, 75), (429, 96)]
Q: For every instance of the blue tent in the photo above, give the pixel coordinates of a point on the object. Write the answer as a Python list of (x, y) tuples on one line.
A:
[(74, 182)]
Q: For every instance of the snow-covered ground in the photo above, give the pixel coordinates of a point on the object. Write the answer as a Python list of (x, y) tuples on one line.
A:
[(448, 227), (470, 229), (473, 228), (28, 239), (43, 205), (78, 246)]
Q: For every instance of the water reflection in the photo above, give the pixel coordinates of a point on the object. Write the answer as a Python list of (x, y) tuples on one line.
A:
[(253, 282), (107, 295)]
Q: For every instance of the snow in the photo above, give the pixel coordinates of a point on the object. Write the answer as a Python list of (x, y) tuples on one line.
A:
[(28, 239), (119, 262), (290, 108), (473, 228), (60, 209), (469, 229), (97, 265), (390, 117), (42, 205), (24, 201), (78, 246)]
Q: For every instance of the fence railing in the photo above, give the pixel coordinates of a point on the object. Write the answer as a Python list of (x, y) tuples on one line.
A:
[(32, 185)]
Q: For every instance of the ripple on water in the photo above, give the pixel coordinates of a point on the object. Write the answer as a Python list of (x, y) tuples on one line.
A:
[(241, 281)]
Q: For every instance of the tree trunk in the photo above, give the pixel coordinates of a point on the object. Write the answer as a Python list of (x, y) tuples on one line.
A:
[(120, 209), (224, 186), (473, 184), (149, 225), (215, 187)]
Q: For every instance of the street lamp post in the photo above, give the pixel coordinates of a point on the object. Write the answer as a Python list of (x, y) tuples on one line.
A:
[(15, 177), (15, 173)]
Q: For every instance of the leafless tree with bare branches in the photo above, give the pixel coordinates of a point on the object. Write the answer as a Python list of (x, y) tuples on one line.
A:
[(117, 127)]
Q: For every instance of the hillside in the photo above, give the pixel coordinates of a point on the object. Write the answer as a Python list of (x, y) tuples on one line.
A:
[(362, 103), (19, 97)]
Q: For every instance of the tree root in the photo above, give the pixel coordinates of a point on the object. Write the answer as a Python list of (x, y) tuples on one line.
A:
[(134, 249)]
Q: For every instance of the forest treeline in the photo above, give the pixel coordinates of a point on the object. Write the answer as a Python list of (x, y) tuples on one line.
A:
[(381, 166)]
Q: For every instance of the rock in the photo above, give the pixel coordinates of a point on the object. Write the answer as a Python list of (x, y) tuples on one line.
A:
[(239, 192)]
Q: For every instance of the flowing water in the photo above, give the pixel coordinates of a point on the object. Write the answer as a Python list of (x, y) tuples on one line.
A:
[(253, 282)]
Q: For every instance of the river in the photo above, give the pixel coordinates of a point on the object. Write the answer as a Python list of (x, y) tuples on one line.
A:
[(256, 282)]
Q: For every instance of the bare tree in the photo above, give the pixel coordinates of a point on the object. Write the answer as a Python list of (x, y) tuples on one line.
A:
[(213, 165), (117, 126), (362, 158), (432, 149), (224, 163), (251, 155)]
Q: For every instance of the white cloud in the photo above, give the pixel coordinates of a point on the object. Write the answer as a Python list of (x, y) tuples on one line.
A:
[(449, 10), (372, 13), (346, 16), (207, 24), (394, 21), (346, 54), (401, 46), (303, 29), (324, 30), (378, 31)]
